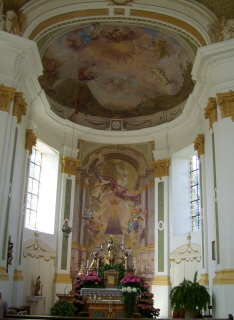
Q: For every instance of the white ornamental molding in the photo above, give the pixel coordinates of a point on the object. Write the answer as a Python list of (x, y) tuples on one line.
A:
[(160, 225), (186, 252), (35, 248)]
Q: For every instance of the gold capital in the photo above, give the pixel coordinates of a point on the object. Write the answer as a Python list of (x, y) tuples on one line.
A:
[(161, 168), (69, 165), (19, 107), (211, 111), (226, 102), (30, 140), (199, 144), (6, 96)]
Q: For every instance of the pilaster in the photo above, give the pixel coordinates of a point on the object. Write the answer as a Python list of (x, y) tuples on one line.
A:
[(68, 180), (161, 282)]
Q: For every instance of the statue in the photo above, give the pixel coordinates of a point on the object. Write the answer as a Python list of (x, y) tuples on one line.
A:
[(222, 30), (111, 251), (11, 23), (95, 261), (37, 286)]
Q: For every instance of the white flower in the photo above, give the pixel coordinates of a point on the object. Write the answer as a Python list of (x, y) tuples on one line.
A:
[(124, 289), (129, 289), (134, 290)]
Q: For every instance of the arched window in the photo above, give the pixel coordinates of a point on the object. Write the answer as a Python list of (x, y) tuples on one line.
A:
[(42, 188)]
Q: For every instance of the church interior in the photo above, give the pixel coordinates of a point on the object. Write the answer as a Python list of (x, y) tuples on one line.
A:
[(117, 123)]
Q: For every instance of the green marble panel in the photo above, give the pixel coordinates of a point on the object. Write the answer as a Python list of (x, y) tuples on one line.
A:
[(216, 203), (67, 207), (161, 232)]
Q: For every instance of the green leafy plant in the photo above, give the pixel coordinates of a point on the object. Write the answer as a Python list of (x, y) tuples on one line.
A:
[(190, 296), (63, 308)]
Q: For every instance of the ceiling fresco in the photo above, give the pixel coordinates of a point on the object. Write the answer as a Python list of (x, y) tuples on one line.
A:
[(110, 70), (122, 60)]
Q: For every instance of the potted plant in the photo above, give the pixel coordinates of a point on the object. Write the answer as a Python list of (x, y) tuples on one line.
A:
[(189, 296), (63, 308)]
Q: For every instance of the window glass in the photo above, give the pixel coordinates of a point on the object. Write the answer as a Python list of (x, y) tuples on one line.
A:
[(33, 188), (195, 193)]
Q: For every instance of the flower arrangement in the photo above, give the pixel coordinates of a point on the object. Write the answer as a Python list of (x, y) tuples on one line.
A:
[(145, 305), (136, 290), (91, 280)]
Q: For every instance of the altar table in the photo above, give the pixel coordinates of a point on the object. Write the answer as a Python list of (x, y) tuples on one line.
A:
[(106, 309)]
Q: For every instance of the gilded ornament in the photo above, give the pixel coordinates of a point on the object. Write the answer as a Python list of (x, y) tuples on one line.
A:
[(121, 2), (6, 96), (19, 107), (211, 111), (226, 102), (30, 140), (69, 165), (199, 145), (161, 168)]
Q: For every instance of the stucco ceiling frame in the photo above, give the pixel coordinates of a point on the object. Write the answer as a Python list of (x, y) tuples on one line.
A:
[(183, 30), (163, 27)]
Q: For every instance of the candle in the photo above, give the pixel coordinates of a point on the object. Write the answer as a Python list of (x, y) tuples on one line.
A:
[(87, 263), (97, 263), (126, 265), (101, 247), (134, 265)]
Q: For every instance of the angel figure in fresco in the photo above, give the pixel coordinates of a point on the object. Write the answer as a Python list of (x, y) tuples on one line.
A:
[(135, 213), (133, 225), (159, 76), (221, 30), (119, 190), (87, 74), (93, 225), (159, 48)]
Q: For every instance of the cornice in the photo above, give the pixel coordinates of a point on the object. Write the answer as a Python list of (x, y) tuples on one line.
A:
[(62, 278), (18, 275), (3, 274), (204, 281), (224, 277), (161, 281)]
